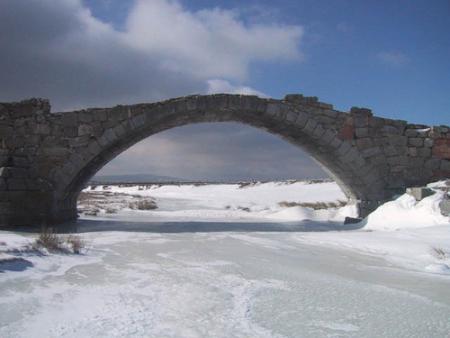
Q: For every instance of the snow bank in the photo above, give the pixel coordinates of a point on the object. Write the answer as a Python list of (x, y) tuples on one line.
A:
[(406, 212)]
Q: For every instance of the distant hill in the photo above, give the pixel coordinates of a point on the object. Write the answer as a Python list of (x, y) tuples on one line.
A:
[(148, 178), (136, 178)]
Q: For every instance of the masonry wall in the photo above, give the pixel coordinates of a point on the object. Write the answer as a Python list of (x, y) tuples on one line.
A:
[(45, 158)]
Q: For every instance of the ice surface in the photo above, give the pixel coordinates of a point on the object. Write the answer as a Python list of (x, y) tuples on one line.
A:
[(388, 277)]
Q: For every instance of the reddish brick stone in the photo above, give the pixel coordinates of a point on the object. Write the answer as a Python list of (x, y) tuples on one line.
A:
[(440, 174), (347, 131), (441, 148)]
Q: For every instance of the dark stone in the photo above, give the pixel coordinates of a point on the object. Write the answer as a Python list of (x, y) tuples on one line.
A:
[(45, 159), (352, 220)]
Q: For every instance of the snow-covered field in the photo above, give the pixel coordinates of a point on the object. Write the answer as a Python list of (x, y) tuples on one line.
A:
[(231, 261), (227, 202)]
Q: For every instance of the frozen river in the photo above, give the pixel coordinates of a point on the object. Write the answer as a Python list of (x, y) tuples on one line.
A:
[(254, 281)]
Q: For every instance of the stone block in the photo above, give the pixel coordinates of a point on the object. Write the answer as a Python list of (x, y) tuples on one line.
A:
[(347, 130), (85, 117), (80, 141), (419, 193), (273, 109), (361, 111), (331, 114), (432, 163), (318, 132), (295, 98), (415, 141), (360, 121), (16, 172), (327, 137), (138, 121), (4, 161), (441, 148), (362, 132), (55, 151), (369, 152), (412, 151), (351, 156), (76, 160), (398, 168), (445, 165), (101, 115), (428, 142), (364, 143), (311, 99), (392, 151), (397, 140), (85, 129), (411, 133), (70, 131), (352, 220), (42, 129), (94, 148), (310, 126), (324, 105), (423, 152), (119, 130), (343, 148), (20, 161), (69, 119), (110, 135), (335, 142), (291, 116), (15, 184), (398, 160), (389, 130), (416, 162)]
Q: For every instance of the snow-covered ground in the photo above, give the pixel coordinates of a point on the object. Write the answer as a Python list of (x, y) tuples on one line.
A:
[(262, 202), (261, 272)]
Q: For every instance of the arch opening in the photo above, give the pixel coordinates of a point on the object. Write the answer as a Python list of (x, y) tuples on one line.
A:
[(223, 154)]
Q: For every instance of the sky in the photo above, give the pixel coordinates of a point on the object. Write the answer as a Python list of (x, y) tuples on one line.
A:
[(390, 56)]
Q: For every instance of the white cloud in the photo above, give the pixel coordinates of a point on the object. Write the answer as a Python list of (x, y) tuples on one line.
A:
[(393, 58), (222, 86), (59, 50), (208, 43)]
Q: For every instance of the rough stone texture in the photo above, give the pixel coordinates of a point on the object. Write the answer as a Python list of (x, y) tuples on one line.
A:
[(46, 158)]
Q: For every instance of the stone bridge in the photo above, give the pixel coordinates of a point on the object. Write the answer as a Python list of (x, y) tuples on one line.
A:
[(47, 158)]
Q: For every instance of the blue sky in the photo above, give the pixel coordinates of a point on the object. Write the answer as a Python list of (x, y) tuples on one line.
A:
[(390, 56)]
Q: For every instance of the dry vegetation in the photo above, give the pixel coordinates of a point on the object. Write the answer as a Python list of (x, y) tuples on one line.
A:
[(439, 253), (94, 202), (55, 242), (144, 204)]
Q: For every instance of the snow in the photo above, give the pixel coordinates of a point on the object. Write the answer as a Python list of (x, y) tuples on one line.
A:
[(406, 212), (232, 202), (270, 276)]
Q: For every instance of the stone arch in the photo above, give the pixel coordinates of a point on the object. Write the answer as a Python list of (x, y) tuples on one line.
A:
[(47, 158), (301, 127)]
